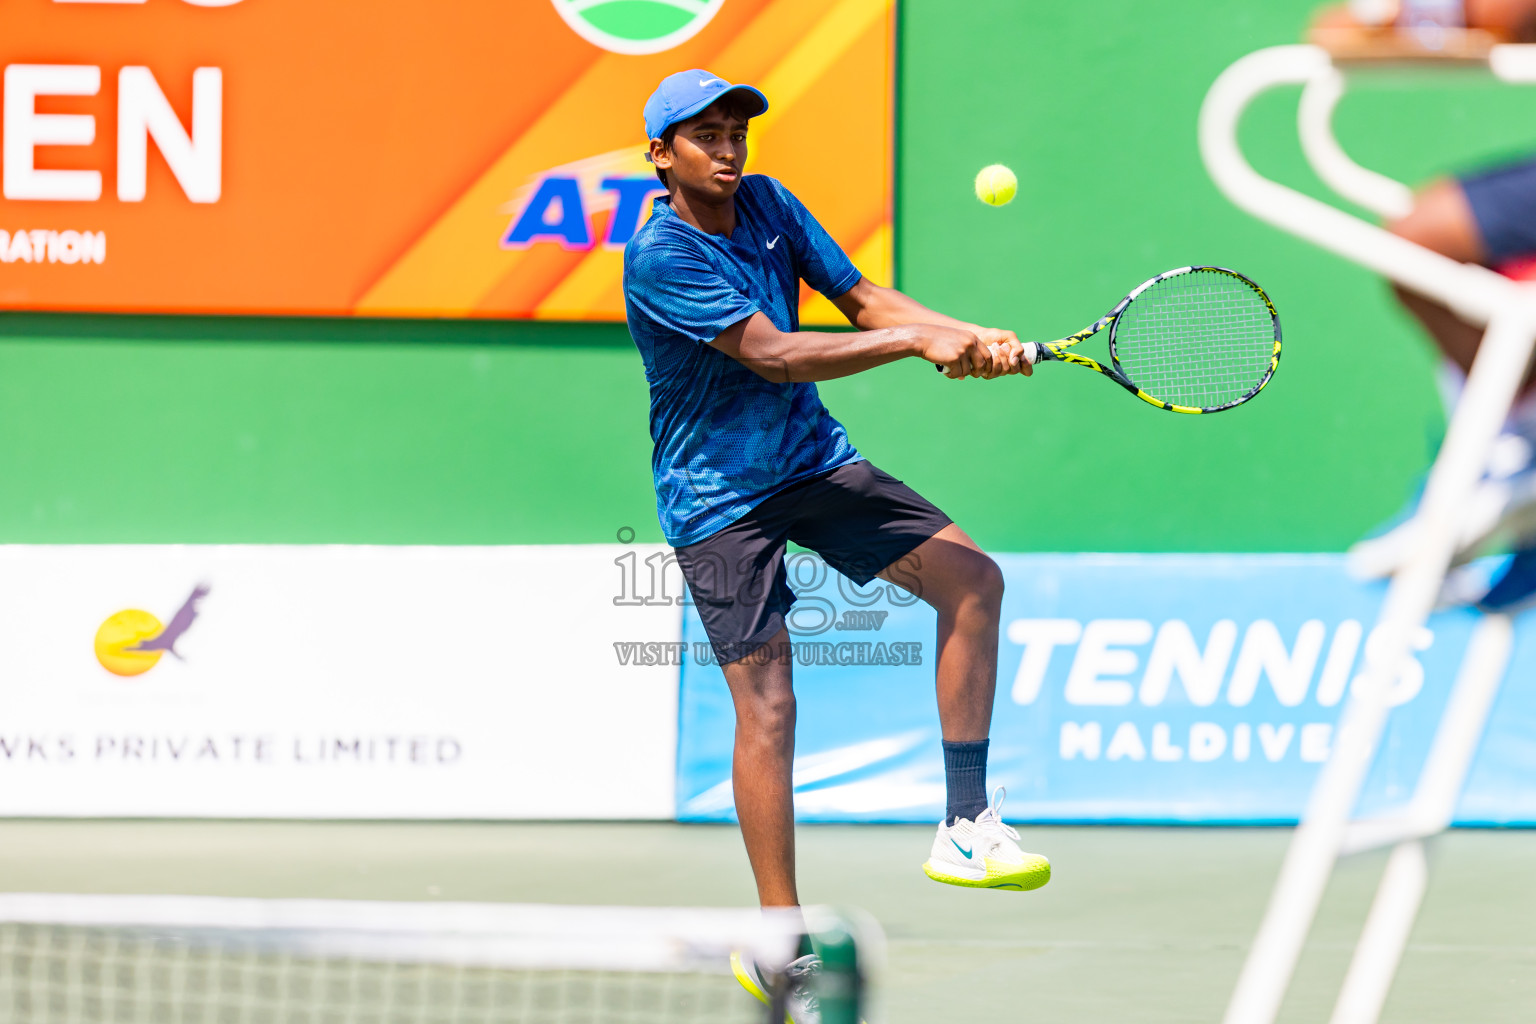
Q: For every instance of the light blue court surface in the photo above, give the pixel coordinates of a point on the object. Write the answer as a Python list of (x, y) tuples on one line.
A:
[(1139, 925)]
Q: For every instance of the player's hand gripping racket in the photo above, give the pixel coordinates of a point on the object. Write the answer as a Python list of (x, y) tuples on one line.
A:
[(1196, 339)]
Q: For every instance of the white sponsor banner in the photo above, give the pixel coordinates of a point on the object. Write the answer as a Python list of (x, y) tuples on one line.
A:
[(336, 682)]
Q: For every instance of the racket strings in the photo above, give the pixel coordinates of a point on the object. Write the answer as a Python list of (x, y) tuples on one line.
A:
[(1201, 340)]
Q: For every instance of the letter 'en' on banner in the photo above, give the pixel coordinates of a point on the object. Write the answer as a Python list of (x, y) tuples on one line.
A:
[(498, 174)]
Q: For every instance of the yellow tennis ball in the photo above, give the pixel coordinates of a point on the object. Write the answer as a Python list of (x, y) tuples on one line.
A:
[(996, 185)]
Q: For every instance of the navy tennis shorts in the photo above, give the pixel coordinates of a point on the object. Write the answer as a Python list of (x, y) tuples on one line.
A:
[(1503, 202), (857, 518)]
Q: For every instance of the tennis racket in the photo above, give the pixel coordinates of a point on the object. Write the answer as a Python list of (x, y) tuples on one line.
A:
[(1192, 340)]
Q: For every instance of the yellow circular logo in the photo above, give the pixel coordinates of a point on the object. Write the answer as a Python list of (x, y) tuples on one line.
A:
[(124, 630)]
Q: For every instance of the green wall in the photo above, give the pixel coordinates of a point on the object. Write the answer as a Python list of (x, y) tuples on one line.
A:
[(306, 431)]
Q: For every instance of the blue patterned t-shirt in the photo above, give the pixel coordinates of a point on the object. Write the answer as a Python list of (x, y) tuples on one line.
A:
[(725, 437)]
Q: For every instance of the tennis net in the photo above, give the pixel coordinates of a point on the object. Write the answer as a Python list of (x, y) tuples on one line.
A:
[(68, 959)]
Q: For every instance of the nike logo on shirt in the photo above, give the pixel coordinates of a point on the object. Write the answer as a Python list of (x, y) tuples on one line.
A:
[(775, 241)]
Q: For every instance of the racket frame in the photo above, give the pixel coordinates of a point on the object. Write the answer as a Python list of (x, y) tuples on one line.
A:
[(1058, 351)]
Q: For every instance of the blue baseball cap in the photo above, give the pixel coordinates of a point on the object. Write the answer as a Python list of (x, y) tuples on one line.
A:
[(684, 94)]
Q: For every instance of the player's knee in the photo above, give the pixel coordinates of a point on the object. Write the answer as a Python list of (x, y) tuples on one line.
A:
[(984, 587), (773, 713), (989, 582), (765, 699)]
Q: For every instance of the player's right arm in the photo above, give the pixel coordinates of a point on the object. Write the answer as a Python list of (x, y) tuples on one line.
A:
[(676, 286), (808, 356)]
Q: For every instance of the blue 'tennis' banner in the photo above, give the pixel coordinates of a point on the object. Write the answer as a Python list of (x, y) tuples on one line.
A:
[(1133, 688)]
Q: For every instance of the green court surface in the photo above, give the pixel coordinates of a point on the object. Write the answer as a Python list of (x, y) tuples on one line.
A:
[(1139, 925)]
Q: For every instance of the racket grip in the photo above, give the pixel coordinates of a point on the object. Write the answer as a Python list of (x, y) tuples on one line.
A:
[(1031, 352), (1029, 348)]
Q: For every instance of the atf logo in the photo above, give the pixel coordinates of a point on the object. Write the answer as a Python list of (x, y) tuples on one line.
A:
[(637, 26), (602, 199), (131, 642)]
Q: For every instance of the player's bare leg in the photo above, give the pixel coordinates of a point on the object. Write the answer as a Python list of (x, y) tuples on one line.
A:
[(762, 690), (965, 586)]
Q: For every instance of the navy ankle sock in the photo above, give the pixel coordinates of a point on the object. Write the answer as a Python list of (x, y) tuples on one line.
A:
[(965, 779)]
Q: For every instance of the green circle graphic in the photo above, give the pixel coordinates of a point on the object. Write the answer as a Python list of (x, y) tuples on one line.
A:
[(637, 26)]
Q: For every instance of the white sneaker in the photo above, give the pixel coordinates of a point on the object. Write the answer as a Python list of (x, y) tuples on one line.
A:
[(801, 1004), (985, 854), (800, 975)]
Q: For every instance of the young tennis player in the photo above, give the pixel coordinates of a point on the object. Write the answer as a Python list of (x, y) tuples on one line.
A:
[(747, 458)]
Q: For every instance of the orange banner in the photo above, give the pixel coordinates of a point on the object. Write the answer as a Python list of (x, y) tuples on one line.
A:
[(483, 158)]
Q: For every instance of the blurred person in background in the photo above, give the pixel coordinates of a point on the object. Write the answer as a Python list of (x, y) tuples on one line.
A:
[(1485, 216)]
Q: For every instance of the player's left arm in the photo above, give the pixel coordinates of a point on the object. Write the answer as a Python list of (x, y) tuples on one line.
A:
[(870, 307)]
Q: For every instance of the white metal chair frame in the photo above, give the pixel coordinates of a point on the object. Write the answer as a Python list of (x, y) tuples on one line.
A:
[(1508, 311)]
